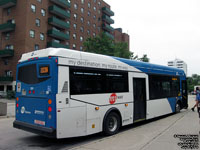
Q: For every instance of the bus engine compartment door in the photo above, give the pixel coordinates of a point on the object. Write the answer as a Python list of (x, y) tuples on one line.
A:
[(62, 97)]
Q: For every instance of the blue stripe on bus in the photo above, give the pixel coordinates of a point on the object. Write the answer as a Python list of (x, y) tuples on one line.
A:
[(152, 68), (172, 102)]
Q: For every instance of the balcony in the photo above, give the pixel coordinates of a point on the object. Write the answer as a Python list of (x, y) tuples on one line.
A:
[(58, 23), (107, 19), (6, 78), (57, 34), (59, 12), (7, 27), (62, 3), (107, 11), (6, 53), (56, 45), (107, 27), (7, 3), (109, 35)]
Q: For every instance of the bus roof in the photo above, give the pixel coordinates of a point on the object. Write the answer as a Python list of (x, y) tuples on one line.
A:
[(73, 54)]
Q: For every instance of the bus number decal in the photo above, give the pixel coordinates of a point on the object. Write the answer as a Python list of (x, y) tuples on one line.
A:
[(113, 98)]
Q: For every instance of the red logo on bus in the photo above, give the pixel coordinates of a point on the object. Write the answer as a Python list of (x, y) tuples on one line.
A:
[(113, 98)]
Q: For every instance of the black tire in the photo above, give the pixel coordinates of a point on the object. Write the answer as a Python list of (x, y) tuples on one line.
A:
[(111, 124), (177, 107)]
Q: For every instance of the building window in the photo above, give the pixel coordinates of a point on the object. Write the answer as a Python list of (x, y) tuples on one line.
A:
[(82, 19), (94, 17), (36, 47), (82, 10), (75, 26), (56, 41), (94, 25), (74, 36), (88, 13), (88, 23), (94, 34), (99, 19), (88, 32), (8, 11), (81, 29), (10, 47), (82, 1), (95, 1), (32, 33), (67, 43), (81, 48), (43, 12), (81, 39), (75, 6), (99, 3), (75, 16), (99, 28), (68, 11), (68, 22), (33, 8), (67, 32), (74, 46), (37, 22), (42, 36), (39, 1), (7, 36), (95, 8), (89, 5), (99, 11)]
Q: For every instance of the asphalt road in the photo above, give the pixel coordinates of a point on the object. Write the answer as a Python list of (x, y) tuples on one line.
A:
[(150, 135)]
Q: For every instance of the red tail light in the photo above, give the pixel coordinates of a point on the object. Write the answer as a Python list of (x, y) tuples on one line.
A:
[(29, 91), (33, 91), (49, 109), (17, 105)]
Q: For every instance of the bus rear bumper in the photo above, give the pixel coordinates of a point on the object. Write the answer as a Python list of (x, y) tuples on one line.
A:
[(43, 131)]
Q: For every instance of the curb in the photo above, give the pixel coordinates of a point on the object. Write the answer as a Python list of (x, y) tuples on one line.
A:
[(4, 117)]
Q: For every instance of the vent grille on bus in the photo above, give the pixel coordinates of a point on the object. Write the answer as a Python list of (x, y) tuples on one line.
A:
[(65, 87)]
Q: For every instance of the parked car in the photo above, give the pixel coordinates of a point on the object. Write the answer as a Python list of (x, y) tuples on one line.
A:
[(2, 94)]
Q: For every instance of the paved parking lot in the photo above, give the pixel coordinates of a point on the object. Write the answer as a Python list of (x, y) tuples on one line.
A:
[(166, 133)]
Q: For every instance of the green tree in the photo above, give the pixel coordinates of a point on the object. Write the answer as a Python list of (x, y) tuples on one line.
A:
[(193, 81), (121, 50), (102, 44)]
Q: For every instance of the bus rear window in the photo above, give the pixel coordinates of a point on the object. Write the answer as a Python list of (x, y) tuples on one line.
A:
[(28, 74)]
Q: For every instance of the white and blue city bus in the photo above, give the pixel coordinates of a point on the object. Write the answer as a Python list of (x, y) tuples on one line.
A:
[(63, 93)]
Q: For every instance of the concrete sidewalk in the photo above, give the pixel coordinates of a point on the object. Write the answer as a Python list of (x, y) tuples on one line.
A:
[(7, 108), (170, 133)]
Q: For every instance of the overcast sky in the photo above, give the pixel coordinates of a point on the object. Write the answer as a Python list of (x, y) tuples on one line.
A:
[(162, 29)]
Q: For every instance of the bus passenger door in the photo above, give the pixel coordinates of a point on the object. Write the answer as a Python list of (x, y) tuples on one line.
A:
[(139, 90), (184, 94)]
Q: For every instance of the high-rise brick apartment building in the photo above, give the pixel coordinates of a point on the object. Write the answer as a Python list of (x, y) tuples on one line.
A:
[(28, 25), (120, 36)]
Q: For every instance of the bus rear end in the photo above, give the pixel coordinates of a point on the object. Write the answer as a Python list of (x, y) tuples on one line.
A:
[(36, 88)]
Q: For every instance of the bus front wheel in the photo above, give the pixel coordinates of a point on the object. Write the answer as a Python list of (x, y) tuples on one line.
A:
[(111, 124)]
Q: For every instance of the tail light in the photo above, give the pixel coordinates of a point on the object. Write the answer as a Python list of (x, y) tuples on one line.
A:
[(49, 109)]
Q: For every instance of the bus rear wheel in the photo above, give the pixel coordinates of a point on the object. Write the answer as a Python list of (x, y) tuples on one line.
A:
[(111, 124)]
